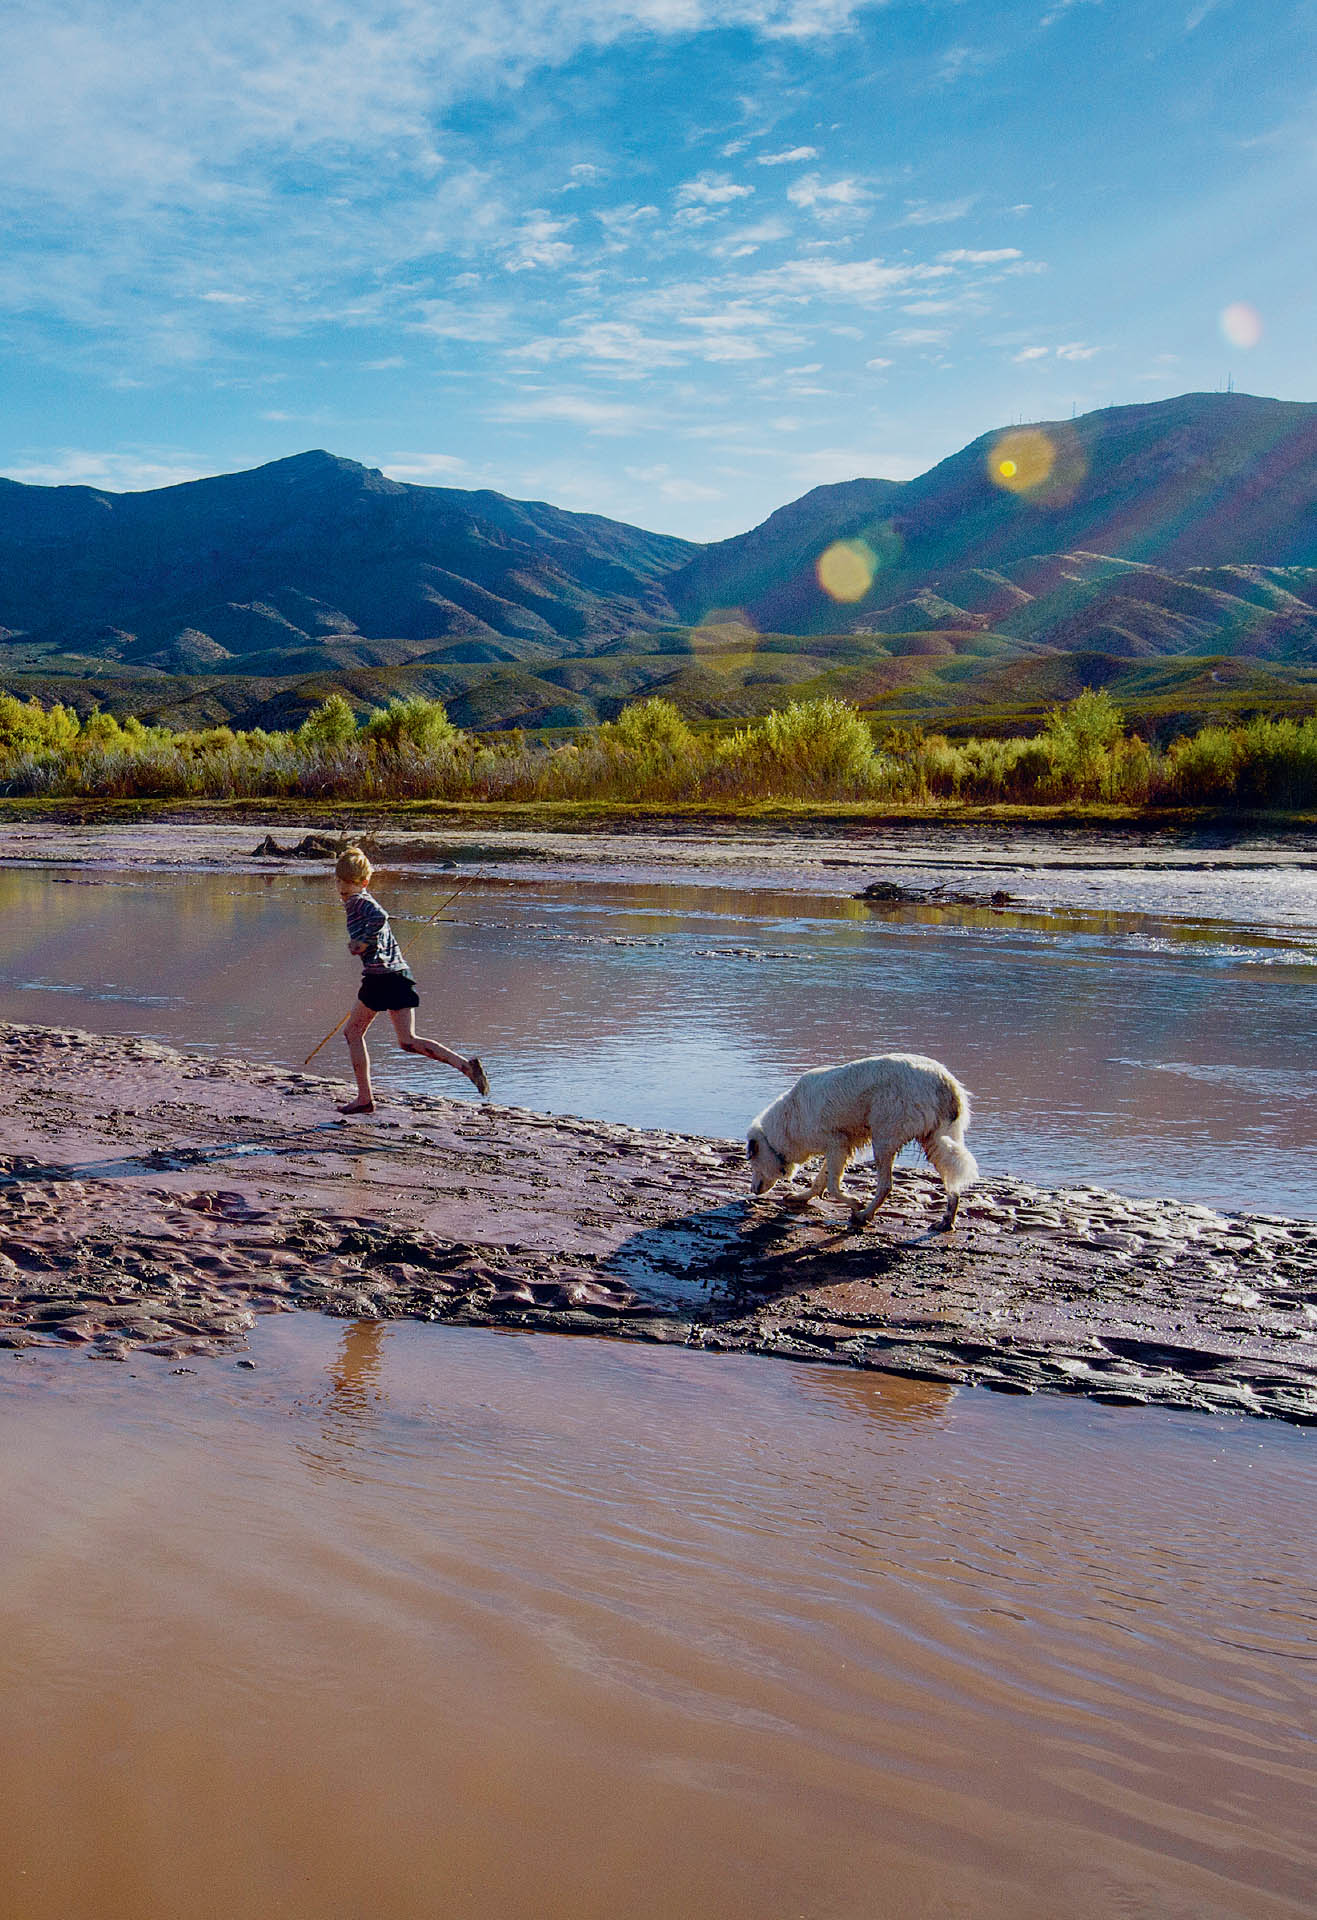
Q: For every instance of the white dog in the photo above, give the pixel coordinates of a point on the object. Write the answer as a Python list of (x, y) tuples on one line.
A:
[(887, 1100)]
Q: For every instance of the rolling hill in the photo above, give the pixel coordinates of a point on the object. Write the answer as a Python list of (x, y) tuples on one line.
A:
[(1168, 551)]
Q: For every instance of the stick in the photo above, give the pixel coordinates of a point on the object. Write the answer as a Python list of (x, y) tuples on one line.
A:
[(328, 1037), (469, 881)]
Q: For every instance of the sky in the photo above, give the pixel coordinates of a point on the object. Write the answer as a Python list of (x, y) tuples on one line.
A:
[(673, 261)]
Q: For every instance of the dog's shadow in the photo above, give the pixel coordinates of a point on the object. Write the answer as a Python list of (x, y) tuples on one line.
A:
[(725, 1261)]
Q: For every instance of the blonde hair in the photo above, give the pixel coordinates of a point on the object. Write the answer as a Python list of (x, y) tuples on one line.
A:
[(353, 867)]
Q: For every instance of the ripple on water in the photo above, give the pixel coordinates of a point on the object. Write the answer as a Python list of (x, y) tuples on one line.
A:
[(583, 1629)]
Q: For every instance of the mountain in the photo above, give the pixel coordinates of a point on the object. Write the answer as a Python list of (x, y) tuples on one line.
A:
[(1105, 523), (1182, 531), (316, 561)]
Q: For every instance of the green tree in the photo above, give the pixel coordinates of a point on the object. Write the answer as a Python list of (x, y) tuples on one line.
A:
[(329, 726), (416, 725), (1083, 740)]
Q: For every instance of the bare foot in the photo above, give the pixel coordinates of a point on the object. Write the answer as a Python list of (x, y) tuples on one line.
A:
[(476, 1074), (357, 1106)]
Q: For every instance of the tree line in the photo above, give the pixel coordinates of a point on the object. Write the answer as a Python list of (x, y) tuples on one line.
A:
[(812, 750)]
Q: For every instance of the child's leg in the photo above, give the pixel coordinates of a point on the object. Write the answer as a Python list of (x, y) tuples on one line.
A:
[(355, 1035), (404, 1025)]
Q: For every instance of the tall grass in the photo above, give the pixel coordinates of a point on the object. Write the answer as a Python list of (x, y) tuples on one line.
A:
[(810, 750)]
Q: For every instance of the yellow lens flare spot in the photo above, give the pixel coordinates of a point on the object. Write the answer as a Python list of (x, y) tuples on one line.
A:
[(1022, 460), (1241, 324), (846, 569)]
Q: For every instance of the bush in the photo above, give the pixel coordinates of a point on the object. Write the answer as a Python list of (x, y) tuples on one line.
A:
[(328, 727), (647, 753), (811, 749), (417, 725)]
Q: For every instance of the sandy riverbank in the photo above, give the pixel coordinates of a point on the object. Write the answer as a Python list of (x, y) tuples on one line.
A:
[(155, 1200)]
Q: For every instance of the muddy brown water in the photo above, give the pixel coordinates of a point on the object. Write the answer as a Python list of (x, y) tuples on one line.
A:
[(1104, 1041), (413, 1621)]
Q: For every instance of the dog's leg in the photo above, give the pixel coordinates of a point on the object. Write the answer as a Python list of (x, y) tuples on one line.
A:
[(882, 1166), (834, 1166), (948, 1220), (806, 1196)]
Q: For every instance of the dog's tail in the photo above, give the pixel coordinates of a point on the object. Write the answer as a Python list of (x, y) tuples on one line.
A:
[(945, 1146)]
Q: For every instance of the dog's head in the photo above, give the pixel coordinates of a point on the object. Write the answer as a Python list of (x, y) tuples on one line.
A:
[(766, 1164)]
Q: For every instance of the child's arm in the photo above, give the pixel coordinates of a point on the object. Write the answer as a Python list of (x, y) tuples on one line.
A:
[(366, 917)]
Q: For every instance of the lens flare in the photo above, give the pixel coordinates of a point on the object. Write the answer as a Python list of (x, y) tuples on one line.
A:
[(1022, 460), (846, 569), (1241, 324)]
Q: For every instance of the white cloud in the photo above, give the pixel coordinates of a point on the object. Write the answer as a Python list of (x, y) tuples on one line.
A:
[(711, 190), (294, 147), (826, 465), (865, 281), (878, 362), (422, 468), (739, 243), (118, 472), (538, 245), (924, 213), (572, 409), (827, 199), (1072, 350), (672, 486), (920, 337), (787, 158), (959, 61), (1063, 7), (977, 257)]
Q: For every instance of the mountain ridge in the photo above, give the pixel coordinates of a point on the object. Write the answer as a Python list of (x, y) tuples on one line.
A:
[(1184, 528)]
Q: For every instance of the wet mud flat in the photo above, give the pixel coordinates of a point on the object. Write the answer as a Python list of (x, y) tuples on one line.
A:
[(153, 1200)]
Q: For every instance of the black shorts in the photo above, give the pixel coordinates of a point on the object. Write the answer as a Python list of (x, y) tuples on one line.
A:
[(387, 992)]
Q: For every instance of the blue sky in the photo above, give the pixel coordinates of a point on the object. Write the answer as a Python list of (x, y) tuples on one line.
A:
[(670, 260)]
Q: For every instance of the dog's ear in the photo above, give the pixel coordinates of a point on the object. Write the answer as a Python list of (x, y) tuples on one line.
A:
[(751, 1148)]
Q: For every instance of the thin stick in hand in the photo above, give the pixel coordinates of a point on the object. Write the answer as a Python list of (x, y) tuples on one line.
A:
[(328, 1037)]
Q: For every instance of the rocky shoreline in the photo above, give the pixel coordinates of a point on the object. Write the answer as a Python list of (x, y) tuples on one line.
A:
[(158, 1201)]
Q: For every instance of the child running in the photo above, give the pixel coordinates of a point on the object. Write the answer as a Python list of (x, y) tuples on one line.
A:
[(387, 985)]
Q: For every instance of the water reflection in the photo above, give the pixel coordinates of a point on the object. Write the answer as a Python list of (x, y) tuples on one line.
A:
[(689, 1007), (638, 1631), (352, 1408)]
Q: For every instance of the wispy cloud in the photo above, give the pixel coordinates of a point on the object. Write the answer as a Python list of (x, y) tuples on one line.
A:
[(538, 244), (788, 157), (864, 281), (1072, 350), (831, 199), (711, 190), (423, 469), (121, 471), (937, 213), (960, 62), (673, 486), (572, 409), (980, 257)]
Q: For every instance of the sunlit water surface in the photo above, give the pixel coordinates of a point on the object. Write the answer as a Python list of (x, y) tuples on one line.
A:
[(1153, 1052), (417, 1621)]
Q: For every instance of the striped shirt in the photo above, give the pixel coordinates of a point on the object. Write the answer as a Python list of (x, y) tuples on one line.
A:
[(368, 928)]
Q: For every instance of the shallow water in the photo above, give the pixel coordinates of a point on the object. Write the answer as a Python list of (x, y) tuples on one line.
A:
[(415, 1621), (1154, 1053)]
